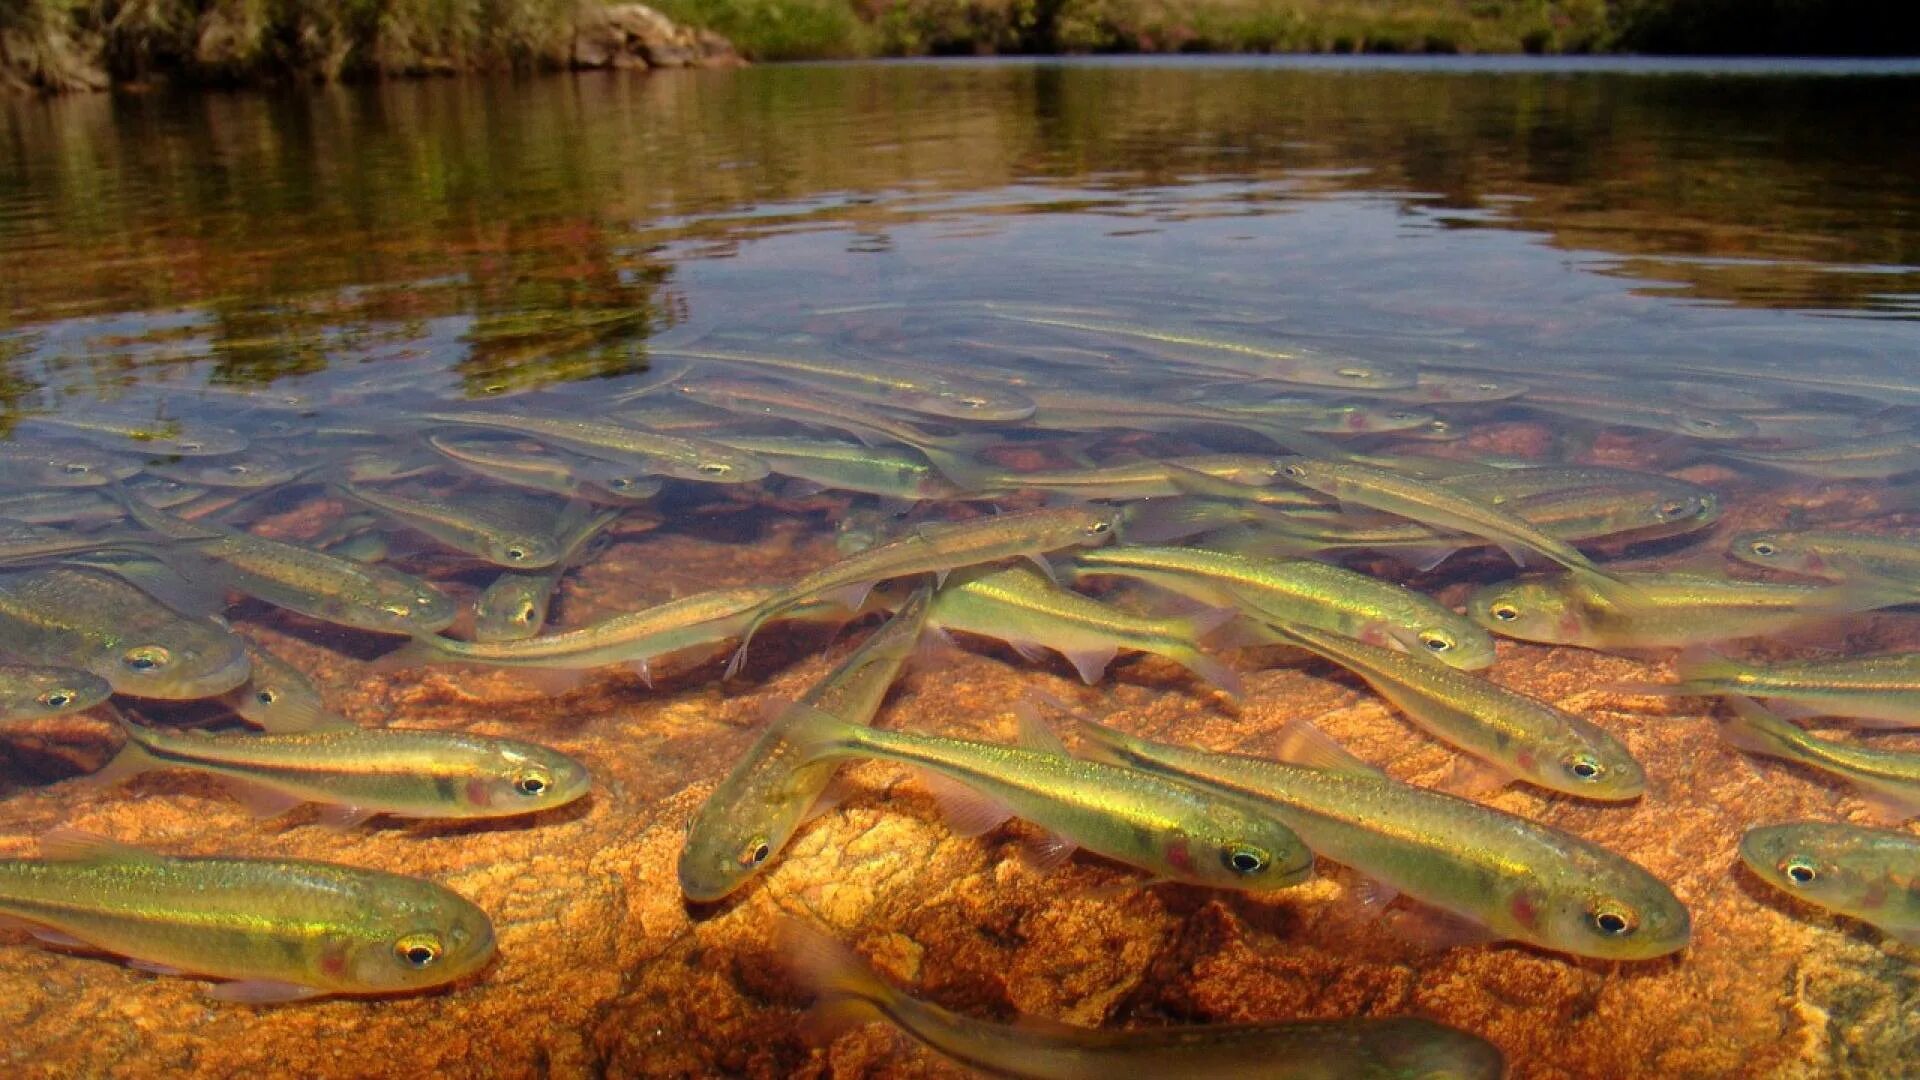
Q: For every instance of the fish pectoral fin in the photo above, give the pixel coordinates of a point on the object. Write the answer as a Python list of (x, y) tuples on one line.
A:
[(1888, 808), (261, 801), (1049, 853), (935, 651), (828, 800), (1091, 663), (1034, 733), (75, 845), (262, 992), (1032, 651), (48, 935), (1045, 567), (551, 682), (1428, 558), (343, 817), (1373, 894), (1301, 743), (643, 668), (967, 812), (154, 967), (1440, 930), (1472, 777)]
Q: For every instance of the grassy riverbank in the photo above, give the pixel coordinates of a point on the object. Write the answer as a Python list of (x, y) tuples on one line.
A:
[(66, 44), (803, 29)]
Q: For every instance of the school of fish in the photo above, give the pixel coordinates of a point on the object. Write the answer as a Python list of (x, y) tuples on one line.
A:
[(1076, 487)]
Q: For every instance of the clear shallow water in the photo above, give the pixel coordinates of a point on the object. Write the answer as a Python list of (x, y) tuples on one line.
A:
[(315, 271)]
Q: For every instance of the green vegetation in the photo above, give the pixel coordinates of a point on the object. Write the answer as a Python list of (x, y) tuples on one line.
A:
[(71, 44)]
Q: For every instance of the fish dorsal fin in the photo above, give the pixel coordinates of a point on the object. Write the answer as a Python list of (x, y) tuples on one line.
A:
[(1302, 743), (1034, 733), (77, 845)]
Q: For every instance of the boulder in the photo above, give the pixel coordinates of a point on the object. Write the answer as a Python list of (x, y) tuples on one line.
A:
[(637, 36)]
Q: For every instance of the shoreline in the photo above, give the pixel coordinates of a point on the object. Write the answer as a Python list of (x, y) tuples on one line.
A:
[(54, 46)]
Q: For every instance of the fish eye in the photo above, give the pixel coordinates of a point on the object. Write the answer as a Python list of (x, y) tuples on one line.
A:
[(191, 446), (1612, 918), (1295, 471), (525, 614), (1585, 766), (1487, 386), (1799, 871), (1354, 373), (1100, 528), (1705, 424), (757, 851), (974, 402), (532, 784), (516, 553), (1762, 548), (238, 470), (1399, 416), (1244, 859), (400, 610), (1676, 508), (423, 601), (267, 697), (147, 658), (1504, 612), (58, 699), (1439, 427), (418, 951), (494, 388), (78, 469), (715, 468), (1435, 642), (619, 483)]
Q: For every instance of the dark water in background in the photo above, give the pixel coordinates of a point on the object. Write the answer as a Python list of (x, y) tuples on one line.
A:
[(520, 233)]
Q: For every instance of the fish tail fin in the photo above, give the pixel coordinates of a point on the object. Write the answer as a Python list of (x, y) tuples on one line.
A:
[(1209, 668), (418, 652), (1154, 521), (131, 760), (1699, 663), (1758, 730), (816, 736), (965, 471), (848, 991)]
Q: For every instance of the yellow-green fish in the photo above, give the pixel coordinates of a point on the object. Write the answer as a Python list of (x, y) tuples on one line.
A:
[(252, 470), (1664, 609), (279, 697), (754, 811), (1293, 364), (298, 578), (1172, 830), (70, 616), (1435, 503), (634, 639), (1523, 737), (1841, 556), (36, 466), (514, 605), (936, 549), (1890, 779), (1518, 879), (1868, 874), (278, 929), (1133, 480), (1300, 591), (122, 432), (1875, 691), (506, 530), (1021, 606), (538, 468), (1393, 1048), (888, 382), (668, 455), (1876, 457), (32, 691), (356, 773), (837, 465)]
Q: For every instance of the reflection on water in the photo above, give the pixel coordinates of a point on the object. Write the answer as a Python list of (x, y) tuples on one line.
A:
[(517, 408)]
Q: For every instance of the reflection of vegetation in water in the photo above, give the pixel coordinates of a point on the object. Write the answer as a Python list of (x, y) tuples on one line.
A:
[(15, 387), (529, 207)]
